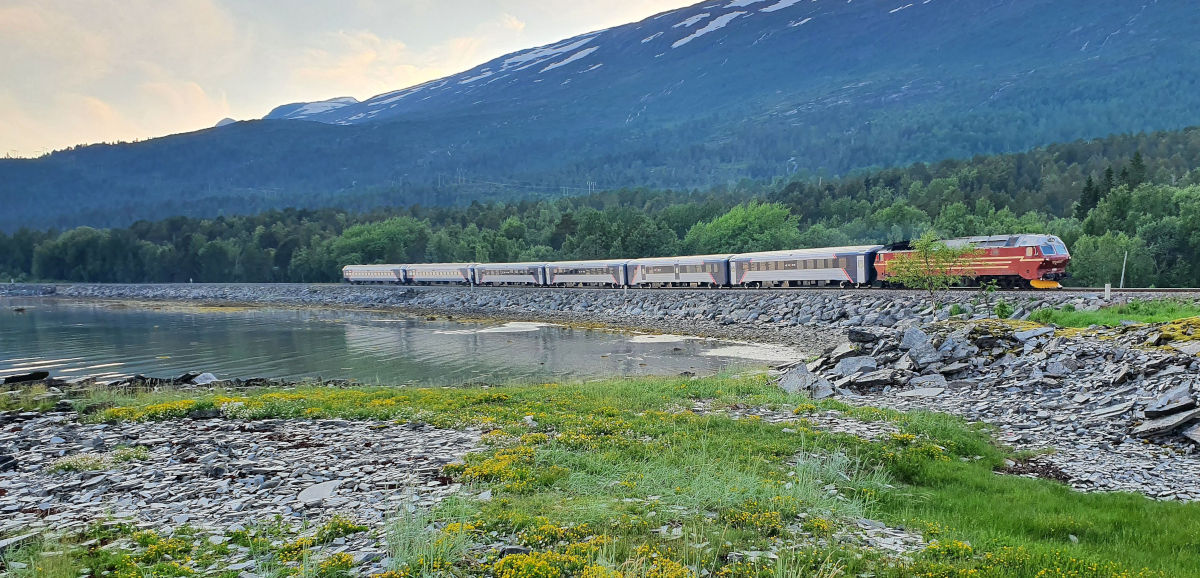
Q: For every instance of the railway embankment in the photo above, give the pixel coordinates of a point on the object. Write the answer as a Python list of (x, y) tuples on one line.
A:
[(803, 318)]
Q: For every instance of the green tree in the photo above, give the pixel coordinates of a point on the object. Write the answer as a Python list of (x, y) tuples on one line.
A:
[(746, 228), (1096, 260), (932, 266), (1088, 199)]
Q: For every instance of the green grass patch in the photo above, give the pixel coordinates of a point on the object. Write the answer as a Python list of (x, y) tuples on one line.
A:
[(621, 478), (1152, 311)]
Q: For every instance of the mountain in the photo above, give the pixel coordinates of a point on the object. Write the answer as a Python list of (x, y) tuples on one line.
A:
[(708, 94)]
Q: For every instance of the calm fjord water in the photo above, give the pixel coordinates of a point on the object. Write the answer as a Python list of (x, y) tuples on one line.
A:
[(71, 339)]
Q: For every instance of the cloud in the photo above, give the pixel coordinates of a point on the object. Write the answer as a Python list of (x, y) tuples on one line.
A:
[(81, 72), (512, 23), (106, 70)]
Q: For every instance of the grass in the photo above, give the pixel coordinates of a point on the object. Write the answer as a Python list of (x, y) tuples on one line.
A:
[(1151, 311), (621, 478)]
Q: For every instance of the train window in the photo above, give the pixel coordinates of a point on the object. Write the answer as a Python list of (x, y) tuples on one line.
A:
[(1047, 249)]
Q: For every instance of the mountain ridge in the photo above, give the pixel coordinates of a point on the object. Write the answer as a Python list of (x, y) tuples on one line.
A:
[(807, 88)]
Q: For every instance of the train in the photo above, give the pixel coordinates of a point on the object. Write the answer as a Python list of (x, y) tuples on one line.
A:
[(1010, 261)]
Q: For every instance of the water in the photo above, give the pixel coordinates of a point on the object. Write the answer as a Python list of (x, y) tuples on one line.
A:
[(110, 341)]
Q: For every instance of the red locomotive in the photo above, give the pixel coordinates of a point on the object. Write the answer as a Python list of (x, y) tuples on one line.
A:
[(1012, 261)]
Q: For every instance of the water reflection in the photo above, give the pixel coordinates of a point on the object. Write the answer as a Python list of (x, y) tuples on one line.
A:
[(72, 339)]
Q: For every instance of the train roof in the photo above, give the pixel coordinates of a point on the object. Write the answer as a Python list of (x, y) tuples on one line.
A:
[(989, 241), (1022, 240), (454, 265), (523, 264), (598, 262), (806, 253), (371, 267), (681, 259)]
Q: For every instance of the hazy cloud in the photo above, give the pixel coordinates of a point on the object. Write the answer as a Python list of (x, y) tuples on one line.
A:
[(106, 70)]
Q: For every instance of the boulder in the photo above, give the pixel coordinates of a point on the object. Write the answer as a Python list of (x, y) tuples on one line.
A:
[(1166, 424), (856, 335), (914, 338), (852, 365), (877, 378), (27, 377), (928, 381), (801, 381), (203, 379), (1174, 401), (842, 351)]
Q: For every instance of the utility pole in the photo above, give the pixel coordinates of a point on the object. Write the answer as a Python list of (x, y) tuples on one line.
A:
[(1123, 263)]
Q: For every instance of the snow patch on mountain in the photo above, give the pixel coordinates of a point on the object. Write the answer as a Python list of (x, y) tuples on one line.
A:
[(480, 76), (578, 55), (895, 10), (548, 51), (796, 23), (718, 23), (742, 3), (651, 37), (694, 20), (780, 5)]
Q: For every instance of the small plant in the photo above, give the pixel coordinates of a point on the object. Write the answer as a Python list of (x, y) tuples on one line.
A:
[(130, 454), (1003, 310), (949, 550), (818, 526), (956, 310), (335, 566), (79, 463), (338, 527)]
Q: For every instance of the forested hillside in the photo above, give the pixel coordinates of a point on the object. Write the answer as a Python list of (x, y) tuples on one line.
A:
[(699, 97), (1139, 194)]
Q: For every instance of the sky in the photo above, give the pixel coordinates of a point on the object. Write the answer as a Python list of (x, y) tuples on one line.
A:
[(88, 71)]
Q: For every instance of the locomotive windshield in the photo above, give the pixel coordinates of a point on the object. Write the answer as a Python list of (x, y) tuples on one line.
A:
[(1054, 246)]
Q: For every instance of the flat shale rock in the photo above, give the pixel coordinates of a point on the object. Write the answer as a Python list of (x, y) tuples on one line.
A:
[(1166, 424), (851, 365), (211, 474), (1186, 347), (922, 392)]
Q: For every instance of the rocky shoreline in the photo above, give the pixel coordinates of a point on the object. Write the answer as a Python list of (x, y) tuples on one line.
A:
[(800, 318), (1101, 409), (1109, 410)]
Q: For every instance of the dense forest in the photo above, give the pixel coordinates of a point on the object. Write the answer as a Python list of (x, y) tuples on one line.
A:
[(1138, 194), (761, 98)]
